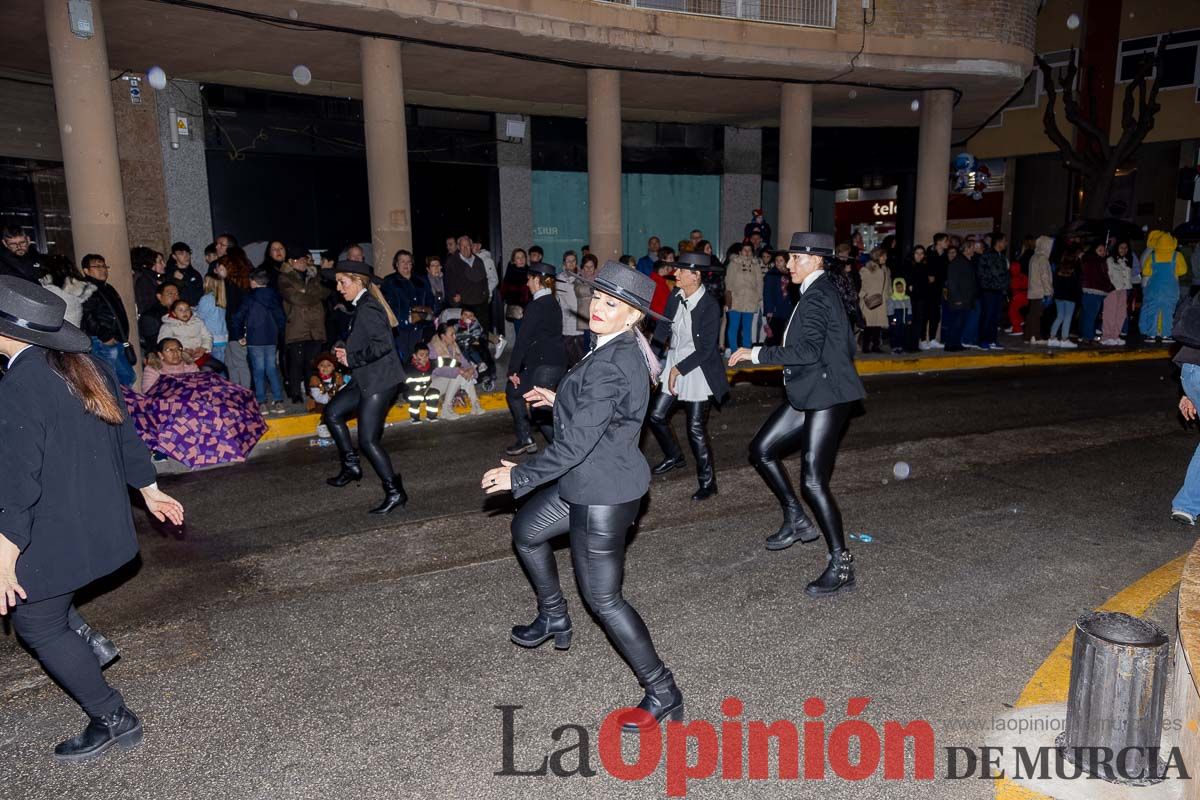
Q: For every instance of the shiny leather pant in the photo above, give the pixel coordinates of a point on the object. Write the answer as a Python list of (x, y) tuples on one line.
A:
[(598, 555), (523, 416), (659, 422), (817, 435), (372, 411)]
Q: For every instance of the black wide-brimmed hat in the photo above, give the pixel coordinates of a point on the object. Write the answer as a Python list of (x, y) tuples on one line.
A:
[(541, 268), (698, 262), (29, 313), (352, 267), (810, 244), (627, 285)]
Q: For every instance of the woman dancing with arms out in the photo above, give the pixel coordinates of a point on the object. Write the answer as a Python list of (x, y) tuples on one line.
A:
[(821, 385), (590, 482)]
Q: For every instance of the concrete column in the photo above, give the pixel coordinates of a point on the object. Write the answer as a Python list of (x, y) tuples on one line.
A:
[(795, 161), (516, 191), (933, 164), (604, 163), (141, 164), (741, 183), (88, 131), (387, 151), (185, 173)]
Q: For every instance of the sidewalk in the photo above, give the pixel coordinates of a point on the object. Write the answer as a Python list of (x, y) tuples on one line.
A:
[(1015, 354)]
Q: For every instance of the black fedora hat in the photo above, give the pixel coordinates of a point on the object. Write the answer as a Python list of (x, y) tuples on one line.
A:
[(698, 262), (627, 285), (810, 244), (352, 267), (29, 313)]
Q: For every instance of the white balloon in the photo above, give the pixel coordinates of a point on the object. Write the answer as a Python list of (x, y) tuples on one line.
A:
[(916, 105), (293, 13), (901, 470), (157, 78), (853, 94), (1073, 21), (302, 75)]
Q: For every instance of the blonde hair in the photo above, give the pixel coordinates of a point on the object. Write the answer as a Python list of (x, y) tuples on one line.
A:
[(373, 290), (216, 287)]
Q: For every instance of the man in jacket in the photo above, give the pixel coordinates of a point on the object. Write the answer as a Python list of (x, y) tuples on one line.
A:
[(695, 376), (150, 321), (304, 303), (257, 324), (181, 270), (105, 319), (18, 257), (538, 357), (467, 282), (411, 302), (993, 285)]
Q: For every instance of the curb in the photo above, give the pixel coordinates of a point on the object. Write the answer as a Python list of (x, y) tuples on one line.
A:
[(279, 428)]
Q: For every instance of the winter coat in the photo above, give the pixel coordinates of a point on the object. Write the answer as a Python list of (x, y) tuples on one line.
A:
[(744, 284), (962, 284), (564, 293), (27, 266), (213, 318), (777, 299), (468, 281), (1068, 284), (1095, 275), (992, 269), (191, 282), (260, 318), (104, 314), (304, 303), (1018, 281), (75, 293), (1118, 273), (1041, 274), (191, 334), (876, 280), (489, 265), (145, 287)]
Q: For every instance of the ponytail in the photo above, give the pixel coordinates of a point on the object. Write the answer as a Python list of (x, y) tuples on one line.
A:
[(86, 382), (387, 309)]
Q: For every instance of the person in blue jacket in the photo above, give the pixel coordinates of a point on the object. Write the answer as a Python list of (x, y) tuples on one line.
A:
[(258, 324)]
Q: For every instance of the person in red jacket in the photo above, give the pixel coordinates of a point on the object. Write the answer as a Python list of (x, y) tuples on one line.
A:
[(664, 268), (1018, 285)]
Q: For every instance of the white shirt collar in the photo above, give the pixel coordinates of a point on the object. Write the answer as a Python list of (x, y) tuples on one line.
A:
[(807, 282), (359, 296), (695, 298), (606, 338), (13, 358), (541, 293)]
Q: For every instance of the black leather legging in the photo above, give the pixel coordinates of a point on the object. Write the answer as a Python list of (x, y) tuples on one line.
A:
[(816, 434), (659, 423), (372, 411), (598, 555)]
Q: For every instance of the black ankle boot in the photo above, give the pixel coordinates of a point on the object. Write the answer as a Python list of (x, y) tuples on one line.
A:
[(705, 492), (542, 628), (120, 728), (106, 652), (838, 576), (394, 497), (663, 700), (351, 471), (796, 527), (667, 464)]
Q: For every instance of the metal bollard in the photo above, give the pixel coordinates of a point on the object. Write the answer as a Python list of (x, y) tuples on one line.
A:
[(1115, 701)]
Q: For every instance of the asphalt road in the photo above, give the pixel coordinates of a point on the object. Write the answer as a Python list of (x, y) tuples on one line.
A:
[(287, 644)]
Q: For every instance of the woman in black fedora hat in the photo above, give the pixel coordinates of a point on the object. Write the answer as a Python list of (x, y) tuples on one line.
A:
[(695, 373), (69, 452), (592, 479), (817, 356), (539, 357), (377, 375)]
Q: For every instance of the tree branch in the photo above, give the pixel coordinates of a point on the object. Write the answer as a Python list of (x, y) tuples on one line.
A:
[(1135, 130), (1071, 157)]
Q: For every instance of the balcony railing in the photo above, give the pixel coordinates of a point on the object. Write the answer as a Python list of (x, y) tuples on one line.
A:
[(813, 13)]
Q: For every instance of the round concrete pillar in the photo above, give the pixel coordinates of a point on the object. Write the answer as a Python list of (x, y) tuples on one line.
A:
[(604, 163), (933, 164), (795, 161), (387, 151), (88, 130)]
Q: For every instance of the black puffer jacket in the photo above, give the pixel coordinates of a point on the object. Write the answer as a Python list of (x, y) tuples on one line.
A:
[(104, 314)]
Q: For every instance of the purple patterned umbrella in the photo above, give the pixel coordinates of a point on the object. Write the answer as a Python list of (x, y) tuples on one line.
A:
[(198, 419)]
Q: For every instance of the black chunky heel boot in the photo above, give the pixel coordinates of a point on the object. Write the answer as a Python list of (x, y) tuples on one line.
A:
[(351, 471), (796, 527), (838, 576), (663, 700), (542, 628)]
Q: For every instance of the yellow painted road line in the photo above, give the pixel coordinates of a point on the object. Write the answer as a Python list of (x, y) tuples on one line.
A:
[(306, 424), (1052, 679)]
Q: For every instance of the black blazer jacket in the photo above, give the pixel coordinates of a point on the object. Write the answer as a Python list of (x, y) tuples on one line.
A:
[(598, 415), (706, 335), (539, 342), (64, 499), (817, 354), (371, 350)]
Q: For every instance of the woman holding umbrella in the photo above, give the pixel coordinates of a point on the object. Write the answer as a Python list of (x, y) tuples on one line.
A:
[(69, 452), (590, 482), (370, 353)]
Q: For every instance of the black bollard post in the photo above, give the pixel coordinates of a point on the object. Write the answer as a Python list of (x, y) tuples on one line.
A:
[(1115, 700)]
